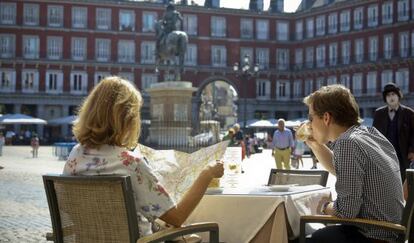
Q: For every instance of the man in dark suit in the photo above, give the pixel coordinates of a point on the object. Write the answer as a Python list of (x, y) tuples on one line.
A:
[(396, 122)]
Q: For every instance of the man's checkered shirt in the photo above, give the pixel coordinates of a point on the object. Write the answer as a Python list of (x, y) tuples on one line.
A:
[(368, 179)]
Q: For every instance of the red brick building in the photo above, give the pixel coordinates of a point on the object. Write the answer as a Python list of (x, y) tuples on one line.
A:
[(53, 52)]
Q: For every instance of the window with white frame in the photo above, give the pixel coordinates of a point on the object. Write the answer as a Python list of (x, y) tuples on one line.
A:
[(282, 28), (359, 50), (190, 24), (30, 46), (299, 30), (372, 83), (346, 50), (8, 81), (282, 61), (147, 79), (148, 21), (78, 83), (358, 18), (320, 25), (401, 80), (126, 51), (79, 17), (54, 47), (357, 84), (147, 52), (373, 48), (99, 76), (388, 46), (7, 45), (246, 28), (55, 16), (54, 82), (7, 13), (262, 89), (333, 54), (331, 80), (403, 10), (345, 21), (387, 12), (333, 23), (191, 55), (218, 26), (308, 86), (102, 50), (386, 77), (309, 28), (282, 89), (297, 89), (262, 29), (78, 48), (298, 58), (412, 42), (30, 81), (126, 20), (320, 56), (103, 18), (309, 57), (320, 82), (373, 15), (218, 56), (404, 44), (344, 80), (262, 58), (30, 14), (246, 51), (127, 76)]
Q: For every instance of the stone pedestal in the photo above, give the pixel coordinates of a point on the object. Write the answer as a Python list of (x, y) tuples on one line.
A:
[(170, 109)]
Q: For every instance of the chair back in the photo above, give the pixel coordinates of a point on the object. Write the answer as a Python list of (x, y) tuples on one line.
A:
[(91, 208), (408, 213), (300, 177)]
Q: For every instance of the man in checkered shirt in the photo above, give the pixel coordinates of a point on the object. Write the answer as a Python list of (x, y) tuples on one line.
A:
[(368, 181)]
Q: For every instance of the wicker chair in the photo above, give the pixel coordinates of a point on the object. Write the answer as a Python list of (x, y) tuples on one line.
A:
[(102, 209), (405, 230), (300, 177)]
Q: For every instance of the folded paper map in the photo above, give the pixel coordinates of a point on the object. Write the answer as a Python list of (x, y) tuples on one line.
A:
[(178, 170)]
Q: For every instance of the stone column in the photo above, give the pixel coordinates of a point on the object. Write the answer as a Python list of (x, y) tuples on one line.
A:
[(65, 128), (171, 109), (41, 115)]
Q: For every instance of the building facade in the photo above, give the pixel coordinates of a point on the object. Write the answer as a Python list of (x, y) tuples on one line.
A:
[(52, 53)]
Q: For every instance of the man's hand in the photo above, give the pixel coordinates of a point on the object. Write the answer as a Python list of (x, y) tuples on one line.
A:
[(321, 208)]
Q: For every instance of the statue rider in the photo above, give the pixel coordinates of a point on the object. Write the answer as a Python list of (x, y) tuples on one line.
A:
[(169, 22)]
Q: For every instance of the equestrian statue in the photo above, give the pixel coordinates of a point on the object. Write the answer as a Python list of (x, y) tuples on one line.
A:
[(171, 43)]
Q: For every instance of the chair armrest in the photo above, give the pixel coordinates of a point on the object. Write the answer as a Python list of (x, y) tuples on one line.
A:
[(171, 233), (328, 219)]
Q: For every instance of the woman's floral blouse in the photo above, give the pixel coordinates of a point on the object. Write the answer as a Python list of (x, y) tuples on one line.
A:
[(151, 199)]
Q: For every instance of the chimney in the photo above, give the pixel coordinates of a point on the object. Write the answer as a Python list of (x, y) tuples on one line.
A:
[(212, 3), (256, 5), (276, 6)]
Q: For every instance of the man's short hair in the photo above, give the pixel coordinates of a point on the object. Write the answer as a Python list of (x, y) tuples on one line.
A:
[(391, 87), (338, 102)]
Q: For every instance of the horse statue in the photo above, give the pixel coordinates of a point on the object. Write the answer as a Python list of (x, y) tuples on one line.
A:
[(169, 47)]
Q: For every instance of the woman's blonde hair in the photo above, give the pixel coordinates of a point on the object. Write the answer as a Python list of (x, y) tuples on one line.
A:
[(110, 115)]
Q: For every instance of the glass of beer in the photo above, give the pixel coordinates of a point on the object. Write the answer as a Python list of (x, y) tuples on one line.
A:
[(303, 132)]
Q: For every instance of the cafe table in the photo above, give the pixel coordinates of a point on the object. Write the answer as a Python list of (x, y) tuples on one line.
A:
[(258, 215)]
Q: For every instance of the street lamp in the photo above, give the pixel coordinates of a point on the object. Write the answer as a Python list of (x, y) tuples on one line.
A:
[(246, 71)]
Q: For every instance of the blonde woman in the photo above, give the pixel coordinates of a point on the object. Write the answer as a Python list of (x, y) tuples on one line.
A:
[(107, 129)]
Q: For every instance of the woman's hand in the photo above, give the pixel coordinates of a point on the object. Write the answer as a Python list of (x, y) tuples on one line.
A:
[(215, 170)]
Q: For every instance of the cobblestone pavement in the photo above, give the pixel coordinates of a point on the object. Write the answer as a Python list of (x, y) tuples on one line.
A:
[(24, 214)]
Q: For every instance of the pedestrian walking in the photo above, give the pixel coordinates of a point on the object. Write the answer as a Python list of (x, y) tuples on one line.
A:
[(283, 145), (2, 142), (34, 143)]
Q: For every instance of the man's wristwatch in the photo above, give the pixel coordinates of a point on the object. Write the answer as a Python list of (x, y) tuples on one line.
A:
[(324, 206)]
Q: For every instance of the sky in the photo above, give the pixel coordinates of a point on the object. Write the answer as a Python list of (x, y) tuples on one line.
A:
[(290, 5)]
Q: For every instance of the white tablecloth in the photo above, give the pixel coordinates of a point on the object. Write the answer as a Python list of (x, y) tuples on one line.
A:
[(242, 212)]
